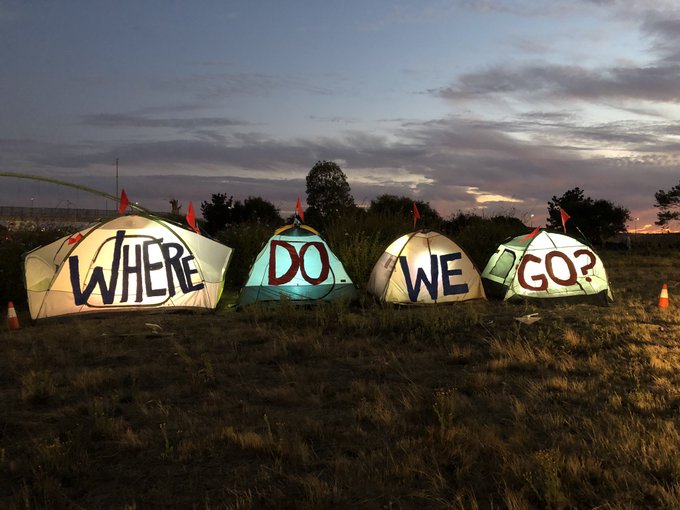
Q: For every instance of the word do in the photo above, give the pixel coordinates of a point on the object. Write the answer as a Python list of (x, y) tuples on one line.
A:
[(297, 263)]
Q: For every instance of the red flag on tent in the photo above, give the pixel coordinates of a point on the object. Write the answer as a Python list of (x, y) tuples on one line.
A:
[(565, 218), (531, 234), (191, 218), (416, 214), (123, 203), (299, 211), (74, 239)]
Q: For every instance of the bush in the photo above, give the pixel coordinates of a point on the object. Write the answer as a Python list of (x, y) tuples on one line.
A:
[(359, 238), (13, 245), (480, 236), (246, 239)]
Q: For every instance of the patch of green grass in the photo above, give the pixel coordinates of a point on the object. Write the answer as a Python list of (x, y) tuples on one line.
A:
[(368, 406)]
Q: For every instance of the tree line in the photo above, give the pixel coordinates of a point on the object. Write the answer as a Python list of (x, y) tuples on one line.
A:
[(329, 197)]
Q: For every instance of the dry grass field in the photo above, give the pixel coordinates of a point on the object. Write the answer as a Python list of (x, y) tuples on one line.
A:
[(365, 407)]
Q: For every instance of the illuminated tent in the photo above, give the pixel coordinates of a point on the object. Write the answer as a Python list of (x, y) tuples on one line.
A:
[(546, 265), (425, 267), (296, 264), (134, 262)]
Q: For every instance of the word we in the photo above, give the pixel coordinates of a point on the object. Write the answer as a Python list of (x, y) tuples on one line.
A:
[(432, 284), (152, 265)]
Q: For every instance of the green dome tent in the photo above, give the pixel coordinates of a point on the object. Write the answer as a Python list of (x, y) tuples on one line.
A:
[(134, 262), (546, 265), (296, 264), (424, 267)]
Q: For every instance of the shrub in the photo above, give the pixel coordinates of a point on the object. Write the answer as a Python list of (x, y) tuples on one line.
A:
[(14, 244), (480, 236), (246, 239)]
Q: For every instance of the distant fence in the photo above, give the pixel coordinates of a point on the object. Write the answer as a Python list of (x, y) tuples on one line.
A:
[(657, 241), (644, 242), (52, 214), (32, 217)]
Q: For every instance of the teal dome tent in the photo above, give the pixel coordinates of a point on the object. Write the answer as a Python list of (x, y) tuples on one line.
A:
[(296, 264)]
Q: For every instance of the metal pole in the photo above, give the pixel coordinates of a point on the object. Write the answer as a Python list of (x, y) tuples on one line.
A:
[(117, 195)]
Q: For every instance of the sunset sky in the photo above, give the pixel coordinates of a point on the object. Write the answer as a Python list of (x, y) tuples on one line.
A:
[(473, 105)]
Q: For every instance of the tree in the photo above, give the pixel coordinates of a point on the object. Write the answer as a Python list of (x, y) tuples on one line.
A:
[(257, 210), (328, 193), (462, 221), (222, 211), (668, 203), (217, 212), (176, 207), (402, 207), (597, 220)]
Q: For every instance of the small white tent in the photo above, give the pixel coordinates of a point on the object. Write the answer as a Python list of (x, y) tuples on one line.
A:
[(424, 267), (546, 265), (125, 263)]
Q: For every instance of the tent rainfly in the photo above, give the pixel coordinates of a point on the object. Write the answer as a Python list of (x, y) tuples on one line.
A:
[(546, 265), (425, 267), (296, 264), (134, 262)]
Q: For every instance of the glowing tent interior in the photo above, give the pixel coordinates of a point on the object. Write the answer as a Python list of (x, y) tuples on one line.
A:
[(546, 265), (425, 267), (125, 263), (296, 264)]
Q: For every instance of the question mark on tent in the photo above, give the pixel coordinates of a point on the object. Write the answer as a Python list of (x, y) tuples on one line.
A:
[(589, 265)]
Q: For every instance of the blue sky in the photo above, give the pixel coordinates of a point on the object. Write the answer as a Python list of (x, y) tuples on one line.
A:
[(472, 105)]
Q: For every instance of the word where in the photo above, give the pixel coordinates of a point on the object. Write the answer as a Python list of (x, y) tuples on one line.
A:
[(153, 267)]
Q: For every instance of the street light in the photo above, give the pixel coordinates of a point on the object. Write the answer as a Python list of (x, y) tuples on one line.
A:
[(636, 220), (531, 221)]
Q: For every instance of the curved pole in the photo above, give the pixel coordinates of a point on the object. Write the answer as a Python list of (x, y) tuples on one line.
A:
[(59, 182)]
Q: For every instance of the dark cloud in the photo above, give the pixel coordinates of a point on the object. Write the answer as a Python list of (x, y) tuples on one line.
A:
[(121, 120), (208, 88), (530, 158), (664, 33), (553, 82)]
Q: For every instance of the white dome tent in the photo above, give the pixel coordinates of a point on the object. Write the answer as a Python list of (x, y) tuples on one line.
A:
[(546, 265), (134, 262), (425, 267)]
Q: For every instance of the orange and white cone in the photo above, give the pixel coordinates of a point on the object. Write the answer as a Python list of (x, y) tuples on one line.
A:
[(663, 297), (12, 319)]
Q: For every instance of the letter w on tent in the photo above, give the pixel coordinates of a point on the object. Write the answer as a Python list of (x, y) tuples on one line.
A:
[(97, 278), (414, 288)]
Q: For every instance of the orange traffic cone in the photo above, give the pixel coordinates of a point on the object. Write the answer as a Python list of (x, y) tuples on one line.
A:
[(663, 297), (12, 319)]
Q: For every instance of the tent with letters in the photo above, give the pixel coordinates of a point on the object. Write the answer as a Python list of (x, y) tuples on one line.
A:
[(544, 265), (425, 267), (134, 262), (296, 264)]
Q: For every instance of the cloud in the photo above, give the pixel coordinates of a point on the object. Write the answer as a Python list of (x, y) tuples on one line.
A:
[(208, 88), (121, 120), (482, 197), (664, 33), (528, 158), (559, 82)]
